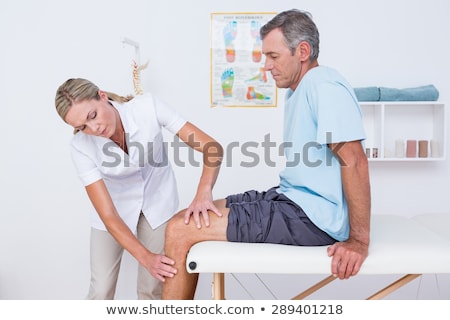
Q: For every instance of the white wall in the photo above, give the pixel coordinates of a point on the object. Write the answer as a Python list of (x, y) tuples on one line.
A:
[(44, 227)]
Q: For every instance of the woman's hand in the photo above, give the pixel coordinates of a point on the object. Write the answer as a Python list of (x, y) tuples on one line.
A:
[(159, 266), (200, 207)]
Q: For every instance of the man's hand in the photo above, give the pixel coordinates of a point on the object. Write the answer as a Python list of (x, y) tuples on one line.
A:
[(348, 257)]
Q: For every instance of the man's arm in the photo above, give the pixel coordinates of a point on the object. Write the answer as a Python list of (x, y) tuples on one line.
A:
[(348, 256)]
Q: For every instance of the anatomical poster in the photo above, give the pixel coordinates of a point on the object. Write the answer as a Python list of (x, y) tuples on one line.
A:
[(238, 77)]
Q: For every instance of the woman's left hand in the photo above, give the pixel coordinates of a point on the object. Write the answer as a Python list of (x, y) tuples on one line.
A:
[(200, 207)]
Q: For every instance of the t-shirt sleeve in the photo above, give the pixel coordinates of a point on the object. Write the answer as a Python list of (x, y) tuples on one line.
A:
[(339, 117), (168, 117), (86, 169)]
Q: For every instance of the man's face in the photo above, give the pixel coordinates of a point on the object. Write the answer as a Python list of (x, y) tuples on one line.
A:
[(284, 67)]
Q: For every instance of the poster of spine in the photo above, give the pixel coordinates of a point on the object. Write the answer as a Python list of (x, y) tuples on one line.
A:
[(238, 77)]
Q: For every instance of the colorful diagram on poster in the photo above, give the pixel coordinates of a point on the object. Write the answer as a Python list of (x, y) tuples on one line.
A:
[(238, 78)]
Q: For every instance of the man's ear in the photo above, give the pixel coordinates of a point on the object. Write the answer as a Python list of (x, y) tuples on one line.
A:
[(304, 50)]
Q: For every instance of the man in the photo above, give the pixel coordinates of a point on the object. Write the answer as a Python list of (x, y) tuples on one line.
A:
[(323, 197)]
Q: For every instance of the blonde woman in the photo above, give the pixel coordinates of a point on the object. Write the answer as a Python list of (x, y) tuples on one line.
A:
[(119, 155)]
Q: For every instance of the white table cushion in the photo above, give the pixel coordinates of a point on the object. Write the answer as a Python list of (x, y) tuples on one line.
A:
[(436, 222), (398, 245)]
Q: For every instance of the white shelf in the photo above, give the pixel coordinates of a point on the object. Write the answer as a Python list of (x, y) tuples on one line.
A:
[(388, 123)]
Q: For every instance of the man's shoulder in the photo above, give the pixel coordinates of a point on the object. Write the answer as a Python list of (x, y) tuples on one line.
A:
[(323, 73)]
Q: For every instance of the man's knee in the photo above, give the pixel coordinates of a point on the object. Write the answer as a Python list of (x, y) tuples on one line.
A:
[(177, 230)]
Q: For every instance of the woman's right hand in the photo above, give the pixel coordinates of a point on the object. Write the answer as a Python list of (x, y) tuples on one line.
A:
[(160, 266)]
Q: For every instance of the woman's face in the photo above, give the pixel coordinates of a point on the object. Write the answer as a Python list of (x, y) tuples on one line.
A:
[(94, 117)]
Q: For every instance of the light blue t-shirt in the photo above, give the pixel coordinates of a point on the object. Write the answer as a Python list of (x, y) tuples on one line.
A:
[(323, 109)]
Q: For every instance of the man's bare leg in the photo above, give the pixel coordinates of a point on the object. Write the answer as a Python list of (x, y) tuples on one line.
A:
[(179, 239)]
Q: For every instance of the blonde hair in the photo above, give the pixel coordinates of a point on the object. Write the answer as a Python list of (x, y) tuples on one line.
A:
[(77, 90)]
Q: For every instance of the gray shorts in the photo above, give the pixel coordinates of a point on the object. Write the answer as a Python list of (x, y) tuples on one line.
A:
[(270, 217)]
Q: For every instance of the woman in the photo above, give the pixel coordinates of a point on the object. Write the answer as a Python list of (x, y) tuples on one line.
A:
[(119, 155)]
